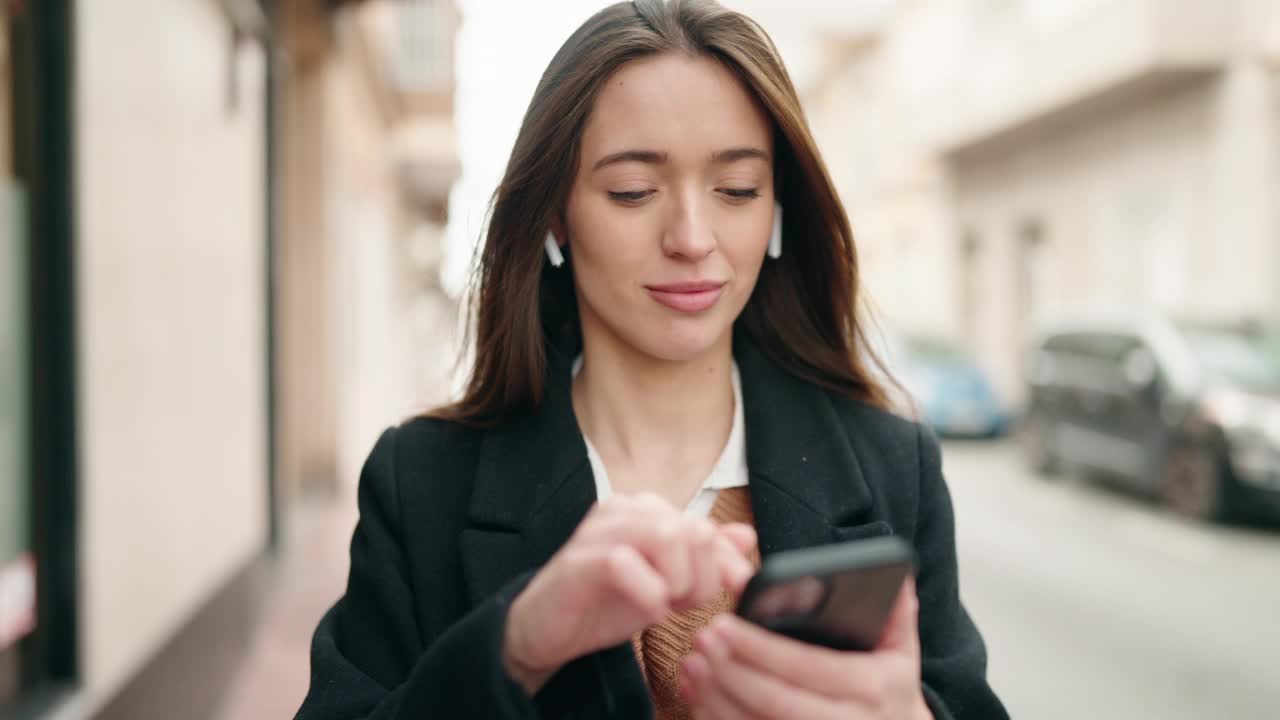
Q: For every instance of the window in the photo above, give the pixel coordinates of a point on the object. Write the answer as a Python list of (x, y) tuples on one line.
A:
[(970, 286), (17, 572), (1234, 358), (38, 598), (1065, 344), (1095, 360), (424, 57), (16, 588)]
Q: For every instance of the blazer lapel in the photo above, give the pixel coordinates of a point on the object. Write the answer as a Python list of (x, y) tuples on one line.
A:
[(533, 485), (806, 485)]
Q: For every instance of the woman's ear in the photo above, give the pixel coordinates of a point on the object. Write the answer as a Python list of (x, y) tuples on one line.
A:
[(558, 229)]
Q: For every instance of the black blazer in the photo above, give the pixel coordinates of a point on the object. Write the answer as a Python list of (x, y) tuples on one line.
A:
[(454, 522)]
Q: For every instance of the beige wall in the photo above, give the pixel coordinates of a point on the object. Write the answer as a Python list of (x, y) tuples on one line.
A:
[(1141, 137), (1022, 58), (170, 312), (391, 322), (870, 130), (1162, 203), (305, 371), (363, 323), (1124, 207)]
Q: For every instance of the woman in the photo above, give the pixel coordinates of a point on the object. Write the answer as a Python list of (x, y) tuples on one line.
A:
[(650, 394)]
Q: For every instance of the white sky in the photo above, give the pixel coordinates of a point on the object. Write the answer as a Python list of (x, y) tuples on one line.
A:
[(503, 47)]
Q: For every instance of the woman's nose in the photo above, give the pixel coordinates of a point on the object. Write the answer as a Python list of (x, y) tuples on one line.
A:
[(689, 235)]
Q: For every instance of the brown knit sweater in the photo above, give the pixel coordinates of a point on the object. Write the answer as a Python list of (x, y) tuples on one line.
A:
[(660, 648)]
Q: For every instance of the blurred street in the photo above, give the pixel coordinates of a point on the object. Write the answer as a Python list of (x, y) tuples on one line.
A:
[(1096, 604), (301, 584)]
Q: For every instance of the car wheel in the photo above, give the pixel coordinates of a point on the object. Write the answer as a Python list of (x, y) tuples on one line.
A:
[(1033, 437), (1193, 484)]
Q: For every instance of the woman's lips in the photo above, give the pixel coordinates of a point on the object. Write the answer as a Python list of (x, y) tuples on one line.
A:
[(687, 297)]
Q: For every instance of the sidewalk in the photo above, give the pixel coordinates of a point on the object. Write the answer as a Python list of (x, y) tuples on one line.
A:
[(308, 576)]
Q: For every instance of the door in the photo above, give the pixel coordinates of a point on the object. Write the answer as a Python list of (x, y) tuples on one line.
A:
[(1116, 402), (17, 582), (37, 409)]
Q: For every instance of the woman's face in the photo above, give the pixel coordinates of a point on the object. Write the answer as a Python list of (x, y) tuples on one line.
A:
[(671, 208)]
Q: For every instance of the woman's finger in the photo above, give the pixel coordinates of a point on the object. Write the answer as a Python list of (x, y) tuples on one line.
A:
[(625, 515), (733, 566), (634, 581), (697, 558), (758, 694), (668, 547), (707, 698), (742, 535), (902, 631), (662, 538), (703, 560), (821, 670)]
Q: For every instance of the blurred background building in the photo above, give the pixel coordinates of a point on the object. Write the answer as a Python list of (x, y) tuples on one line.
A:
[(1005, 158), (234, 234), (220, 227)]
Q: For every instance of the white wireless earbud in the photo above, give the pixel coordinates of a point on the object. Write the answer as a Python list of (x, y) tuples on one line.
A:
[(775, 238), (553, 250)]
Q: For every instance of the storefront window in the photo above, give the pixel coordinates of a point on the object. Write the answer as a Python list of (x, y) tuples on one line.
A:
[(17, 568), (13, 402)]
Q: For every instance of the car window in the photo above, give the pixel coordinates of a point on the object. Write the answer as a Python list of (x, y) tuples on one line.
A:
[(931, 350), (1108, 361), (1236, 359), (1067, 344), (1110, 349)]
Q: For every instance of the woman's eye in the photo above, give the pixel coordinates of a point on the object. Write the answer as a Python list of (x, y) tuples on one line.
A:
[(742, 193), (630, 196)]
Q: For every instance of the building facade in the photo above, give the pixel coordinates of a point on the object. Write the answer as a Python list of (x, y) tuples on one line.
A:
[(1005, 159), (223, 217)]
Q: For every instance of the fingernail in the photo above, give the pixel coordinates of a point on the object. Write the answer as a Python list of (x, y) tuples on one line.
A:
[(681, 590), (694, 670), (686, 691), (694, 666), (722, 625), (710, 644)]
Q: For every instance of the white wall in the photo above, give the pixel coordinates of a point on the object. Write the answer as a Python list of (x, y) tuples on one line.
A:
[(393, 341), (1126, 204), (871, 115), (1170, 196), (170, 304)]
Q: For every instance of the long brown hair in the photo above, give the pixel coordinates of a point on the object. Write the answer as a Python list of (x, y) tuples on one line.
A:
[(806, 307)]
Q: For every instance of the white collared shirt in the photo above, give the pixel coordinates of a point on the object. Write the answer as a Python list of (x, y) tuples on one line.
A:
[(729, 471)]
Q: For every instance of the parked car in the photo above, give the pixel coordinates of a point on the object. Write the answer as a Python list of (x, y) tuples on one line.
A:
[(1269, 335), (1187, 412), (946, 387)]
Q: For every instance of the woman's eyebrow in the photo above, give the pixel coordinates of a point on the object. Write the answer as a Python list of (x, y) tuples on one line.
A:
[(652, 157), (731, 155)]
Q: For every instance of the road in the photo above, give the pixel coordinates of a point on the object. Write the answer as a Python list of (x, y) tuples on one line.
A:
[(1098, 605)]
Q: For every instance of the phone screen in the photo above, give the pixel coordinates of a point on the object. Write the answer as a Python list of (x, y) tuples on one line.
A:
[(845, 610)]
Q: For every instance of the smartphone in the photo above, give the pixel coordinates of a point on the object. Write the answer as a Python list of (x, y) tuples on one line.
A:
[(839, 596)]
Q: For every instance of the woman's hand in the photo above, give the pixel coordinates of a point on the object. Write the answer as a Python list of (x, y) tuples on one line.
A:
[(742, 671), (631, 561)]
